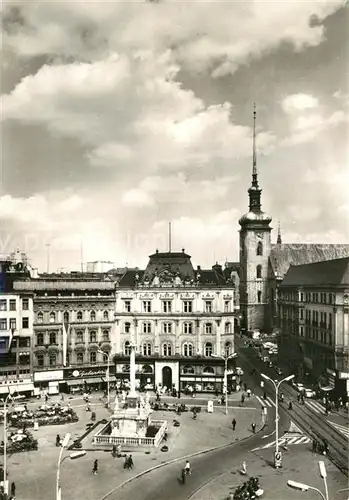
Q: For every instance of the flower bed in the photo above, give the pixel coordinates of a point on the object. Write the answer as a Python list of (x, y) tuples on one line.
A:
[(19, 442), (46, 415)]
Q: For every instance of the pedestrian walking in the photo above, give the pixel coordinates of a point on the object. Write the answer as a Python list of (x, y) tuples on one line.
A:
[(95, 467), (264, 395), (233, 423), (290, 405), (13, 490), (253, 428), (242, 399), (248, 392), (58, 440), (130, 462)]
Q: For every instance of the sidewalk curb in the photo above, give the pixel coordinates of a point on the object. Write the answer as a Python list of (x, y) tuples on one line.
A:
[(174, 460)]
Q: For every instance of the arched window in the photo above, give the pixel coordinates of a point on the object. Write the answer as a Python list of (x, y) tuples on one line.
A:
[(167, 349), (227, 348), (52, 317), (66, 317), (127, 348), (146, 349), (260, 248), (92, 316), (227, 327), (106, 315), (188, 349), (188, 369), (208, 369), (79, 316), (259, 271), (208, 349), (40, 317)]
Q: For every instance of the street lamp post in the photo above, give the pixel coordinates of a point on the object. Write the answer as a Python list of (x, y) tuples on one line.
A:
[(226, 358), (5, 445), (277, 456), (107, 375), (304, 487), (63, 446)]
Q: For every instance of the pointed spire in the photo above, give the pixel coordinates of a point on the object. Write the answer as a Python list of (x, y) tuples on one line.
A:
[(279, 240), (254, 168)]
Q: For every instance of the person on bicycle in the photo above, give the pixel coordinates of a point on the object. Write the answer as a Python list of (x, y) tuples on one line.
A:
[(187, 467)]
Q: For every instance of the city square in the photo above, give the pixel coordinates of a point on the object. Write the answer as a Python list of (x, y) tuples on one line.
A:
[(174, 250)]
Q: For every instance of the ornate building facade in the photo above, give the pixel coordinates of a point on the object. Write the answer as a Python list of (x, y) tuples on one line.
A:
[(180, 319), (72, 330)]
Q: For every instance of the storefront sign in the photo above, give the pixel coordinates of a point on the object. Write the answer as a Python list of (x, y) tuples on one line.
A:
[(50, 375), (93, 372), (344, 375)]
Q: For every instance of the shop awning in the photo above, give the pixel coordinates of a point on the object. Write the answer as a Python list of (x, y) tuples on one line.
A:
[(112, 378), (16, 389), (93, 380), (72, 383)]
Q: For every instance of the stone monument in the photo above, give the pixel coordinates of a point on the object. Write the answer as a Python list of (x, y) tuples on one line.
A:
[(131, 418)]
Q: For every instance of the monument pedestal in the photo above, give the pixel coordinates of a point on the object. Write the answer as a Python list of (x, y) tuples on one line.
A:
[(133, 419)]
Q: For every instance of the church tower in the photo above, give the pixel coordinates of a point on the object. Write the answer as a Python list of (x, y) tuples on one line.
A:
[(255, 246)]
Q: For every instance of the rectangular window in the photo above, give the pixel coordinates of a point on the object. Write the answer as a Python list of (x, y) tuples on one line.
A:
[(12, 323), (302, 297), (53, 360), (167, 327), (12, 304), (25, 304), (3, 305), (79, 358), (259, 296), (147, 327), (127, 306), (40, 359), (25, 322), (166, 306), (146, 306), (187, 306), (79, 337), (93, 357), (227, 307), (93, 337), (301, 312), (208, 306), (208, 328), (3, 324), (188, 328)]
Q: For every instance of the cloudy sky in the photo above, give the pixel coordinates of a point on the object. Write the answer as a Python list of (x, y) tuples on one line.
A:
[(118, 117)]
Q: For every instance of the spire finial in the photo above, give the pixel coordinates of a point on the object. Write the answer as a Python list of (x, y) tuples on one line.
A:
[(254, 170), (279, 240)]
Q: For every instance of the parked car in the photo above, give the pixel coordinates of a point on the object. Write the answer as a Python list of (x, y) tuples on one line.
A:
[(309, 393)]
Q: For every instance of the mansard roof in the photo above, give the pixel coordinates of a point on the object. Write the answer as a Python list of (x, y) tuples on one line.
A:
[(282, 256), (326, 273)]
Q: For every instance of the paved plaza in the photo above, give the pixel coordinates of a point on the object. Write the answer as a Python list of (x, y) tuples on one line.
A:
[(35, 472)]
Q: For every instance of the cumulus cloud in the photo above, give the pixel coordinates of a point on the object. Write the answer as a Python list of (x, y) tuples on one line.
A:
[(299, 102), (227, 35)]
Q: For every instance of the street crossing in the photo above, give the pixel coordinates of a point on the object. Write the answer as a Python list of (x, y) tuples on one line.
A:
[(266, 402), (290, 437), (316, 406), (341, 428)]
